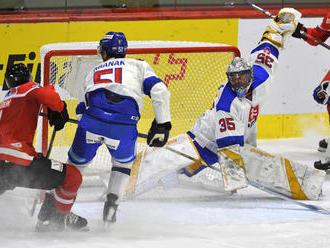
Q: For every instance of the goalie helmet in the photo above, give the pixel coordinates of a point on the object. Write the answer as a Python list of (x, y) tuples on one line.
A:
[(17, 74), (240, 76), (115, 45)]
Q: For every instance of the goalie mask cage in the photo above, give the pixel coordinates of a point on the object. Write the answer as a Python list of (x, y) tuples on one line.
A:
[(192, 71)]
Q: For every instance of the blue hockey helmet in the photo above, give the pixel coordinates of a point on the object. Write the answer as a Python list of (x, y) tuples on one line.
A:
[(17, 74), (240, 76), (115, 44)]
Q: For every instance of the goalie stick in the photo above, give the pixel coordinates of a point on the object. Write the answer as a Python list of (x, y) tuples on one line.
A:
[(257, 185), (302, 35)]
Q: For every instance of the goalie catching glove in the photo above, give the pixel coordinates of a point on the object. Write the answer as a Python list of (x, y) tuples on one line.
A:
[(58, 119), (158, 134), (282, 26)]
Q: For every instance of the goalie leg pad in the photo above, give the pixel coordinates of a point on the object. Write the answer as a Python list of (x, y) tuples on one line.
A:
[(291, 178), (233, 169), (157, 162), (153, 164), (312, 183)]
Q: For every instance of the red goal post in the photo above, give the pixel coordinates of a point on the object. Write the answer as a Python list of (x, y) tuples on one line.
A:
[(192, 70)]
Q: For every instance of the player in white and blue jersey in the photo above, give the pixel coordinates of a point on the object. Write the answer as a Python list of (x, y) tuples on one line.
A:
[(229, 128), (113, 93)]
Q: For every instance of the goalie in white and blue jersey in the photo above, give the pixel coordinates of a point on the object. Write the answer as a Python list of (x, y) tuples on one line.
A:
[(228, 129), (110, 109)]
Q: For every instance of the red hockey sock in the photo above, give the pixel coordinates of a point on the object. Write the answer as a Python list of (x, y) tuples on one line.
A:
[(66, 192)]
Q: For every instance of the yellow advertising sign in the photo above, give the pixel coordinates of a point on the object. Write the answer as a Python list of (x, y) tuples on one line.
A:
[(21, 42)]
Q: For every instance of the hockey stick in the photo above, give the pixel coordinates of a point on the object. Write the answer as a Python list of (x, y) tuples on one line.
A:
[(37, 197), (322, 166), (70, 120), (141, 135), (307, 36), (267, 13), (39, 193), (302, 35), (51, 143)]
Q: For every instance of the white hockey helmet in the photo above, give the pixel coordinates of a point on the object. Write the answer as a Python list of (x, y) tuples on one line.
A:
[(240, 76)]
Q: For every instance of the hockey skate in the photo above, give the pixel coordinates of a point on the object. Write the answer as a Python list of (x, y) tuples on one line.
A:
[(110, 210), (50, 220), (323, 145)]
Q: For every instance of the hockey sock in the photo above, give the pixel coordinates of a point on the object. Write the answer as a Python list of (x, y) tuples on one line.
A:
[(119, 179), (66, 192)]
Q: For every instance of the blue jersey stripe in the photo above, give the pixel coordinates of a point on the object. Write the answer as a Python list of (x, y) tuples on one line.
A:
[(148, 83), (208, 156), (260, 76), (230, 140), (226, 99), (268, 46), (122, 170)]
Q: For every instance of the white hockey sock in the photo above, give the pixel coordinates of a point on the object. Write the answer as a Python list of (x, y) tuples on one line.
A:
[(118, 180), (80, 167)]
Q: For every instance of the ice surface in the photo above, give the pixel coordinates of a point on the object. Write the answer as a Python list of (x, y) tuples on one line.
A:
[(186, 218)]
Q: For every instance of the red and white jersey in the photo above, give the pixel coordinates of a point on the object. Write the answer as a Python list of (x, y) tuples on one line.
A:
[(320, 33), (18, 120)]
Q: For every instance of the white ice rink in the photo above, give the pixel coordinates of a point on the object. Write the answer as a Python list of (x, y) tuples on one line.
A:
[(250, 218)]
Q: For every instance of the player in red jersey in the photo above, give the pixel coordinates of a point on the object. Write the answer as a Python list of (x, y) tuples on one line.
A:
[(21, 165), (314, 36), (322, 96)]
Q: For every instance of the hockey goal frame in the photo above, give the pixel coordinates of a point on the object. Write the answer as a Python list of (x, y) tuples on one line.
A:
[(77, 52)]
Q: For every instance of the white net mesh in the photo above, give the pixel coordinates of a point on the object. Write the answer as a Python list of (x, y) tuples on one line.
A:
[(193, 72)]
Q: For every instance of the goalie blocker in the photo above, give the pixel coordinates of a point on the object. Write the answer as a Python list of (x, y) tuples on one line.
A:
[(246, 163)]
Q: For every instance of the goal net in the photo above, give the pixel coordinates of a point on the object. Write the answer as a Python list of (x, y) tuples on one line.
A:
[(192, 71)]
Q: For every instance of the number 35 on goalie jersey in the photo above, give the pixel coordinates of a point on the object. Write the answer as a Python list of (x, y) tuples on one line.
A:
[(233, 116)]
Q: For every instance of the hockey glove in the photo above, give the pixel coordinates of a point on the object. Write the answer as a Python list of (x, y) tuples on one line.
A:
[(80, 109), (320, 93), (158, 134), (58, 119), (282, 26), (310, 35), (300, 31)]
